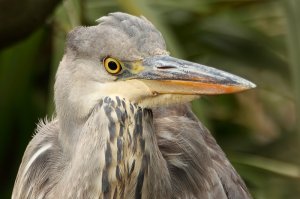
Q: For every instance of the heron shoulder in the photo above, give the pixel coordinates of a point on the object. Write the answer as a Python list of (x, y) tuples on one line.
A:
[(196, 162), (39, 164)]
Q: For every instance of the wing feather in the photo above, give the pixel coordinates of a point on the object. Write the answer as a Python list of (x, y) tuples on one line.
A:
[(198, 166), (39, 163)]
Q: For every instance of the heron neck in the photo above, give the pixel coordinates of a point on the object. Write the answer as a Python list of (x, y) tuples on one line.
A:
[(132, 152), (118, 154)]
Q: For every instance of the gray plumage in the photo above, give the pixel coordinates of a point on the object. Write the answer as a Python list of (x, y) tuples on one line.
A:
[(106, 142)]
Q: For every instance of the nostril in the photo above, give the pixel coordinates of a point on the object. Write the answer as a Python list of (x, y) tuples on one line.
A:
[(165, 67)]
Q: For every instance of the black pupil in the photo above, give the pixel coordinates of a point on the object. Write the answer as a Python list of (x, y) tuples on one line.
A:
[(112, 65)]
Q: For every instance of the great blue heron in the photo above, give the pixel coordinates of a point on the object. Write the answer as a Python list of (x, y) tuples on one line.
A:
[(120, 131)]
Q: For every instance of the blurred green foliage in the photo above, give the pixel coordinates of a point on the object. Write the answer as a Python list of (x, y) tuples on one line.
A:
[(256, 39)]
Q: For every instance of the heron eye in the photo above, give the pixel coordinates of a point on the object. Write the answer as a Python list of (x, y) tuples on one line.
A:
[(112, 65)]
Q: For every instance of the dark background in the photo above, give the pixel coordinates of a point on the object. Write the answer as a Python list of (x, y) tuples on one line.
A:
[(256, 39)]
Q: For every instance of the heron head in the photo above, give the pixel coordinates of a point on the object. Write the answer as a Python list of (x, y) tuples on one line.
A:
[(126, 56)]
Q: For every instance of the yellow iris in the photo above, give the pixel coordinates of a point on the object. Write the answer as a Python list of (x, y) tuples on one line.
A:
[(112, 65)]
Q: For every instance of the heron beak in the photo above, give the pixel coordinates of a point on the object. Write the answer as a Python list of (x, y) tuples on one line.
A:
[(169, 75)]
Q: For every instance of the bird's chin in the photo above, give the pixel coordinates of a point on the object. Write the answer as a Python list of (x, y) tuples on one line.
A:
[(145, 93), (166, 100)]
